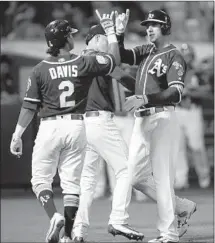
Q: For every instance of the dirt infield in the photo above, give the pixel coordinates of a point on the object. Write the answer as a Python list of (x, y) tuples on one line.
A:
[(23, 219)]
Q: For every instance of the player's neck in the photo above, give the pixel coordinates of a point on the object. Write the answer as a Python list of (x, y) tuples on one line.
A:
[(162, 43), (64, 52)]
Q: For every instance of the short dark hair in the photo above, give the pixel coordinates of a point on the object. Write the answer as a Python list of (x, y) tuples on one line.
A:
[(53, 51)]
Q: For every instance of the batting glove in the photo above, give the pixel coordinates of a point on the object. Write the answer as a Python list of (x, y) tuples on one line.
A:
[(106, 21), (134, 102), (16, 146), (121, 21)]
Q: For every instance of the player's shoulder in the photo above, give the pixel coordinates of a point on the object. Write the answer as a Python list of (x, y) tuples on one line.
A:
[(174, 52), (144, 49), (37, 68), (97, 56)]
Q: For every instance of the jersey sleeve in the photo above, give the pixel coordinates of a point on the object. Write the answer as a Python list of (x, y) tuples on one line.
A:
[(98, 65), (32, 98), (176, 71), (135, 55)]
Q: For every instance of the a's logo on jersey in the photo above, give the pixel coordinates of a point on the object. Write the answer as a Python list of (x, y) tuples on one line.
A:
[(101, 59), (179, 68), (159, 68), (28, 84)]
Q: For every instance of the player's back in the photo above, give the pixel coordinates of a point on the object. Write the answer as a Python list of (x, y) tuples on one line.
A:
[(99, 95), (60, 84), (64, 85)]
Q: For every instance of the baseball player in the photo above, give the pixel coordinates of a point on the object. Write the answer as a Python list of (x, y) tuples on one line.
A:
[(103, 140), (57, 89), (153, 146), (100, 127), (190, 117)]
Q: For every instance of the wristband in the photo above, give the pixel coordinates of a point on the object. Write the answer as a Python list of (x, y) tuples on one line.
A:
[(112, 38)]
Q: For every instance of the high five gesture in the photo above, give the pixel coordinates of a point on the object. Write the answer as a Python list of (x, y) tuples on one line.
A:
[(107, 23), (121, 21)]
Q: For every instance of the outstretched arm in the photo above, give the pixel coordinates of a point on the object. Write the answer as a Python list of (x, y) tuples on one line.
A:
[(132, 56), (107, 23), (121, 21)]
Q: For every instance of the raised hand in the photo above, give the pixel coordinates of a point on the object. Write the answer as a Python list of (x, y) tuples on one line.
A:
[(121, 21), (106, 21)]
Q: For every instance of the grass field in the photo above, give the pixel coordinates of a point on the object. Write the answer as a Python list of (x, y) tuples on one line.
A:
[(23, 219)]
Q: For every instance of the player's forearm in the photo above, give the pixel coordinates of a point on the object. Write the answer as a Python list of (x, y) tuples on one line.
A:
[(168, 96), (114, 48), (126, 55), (25, 117)]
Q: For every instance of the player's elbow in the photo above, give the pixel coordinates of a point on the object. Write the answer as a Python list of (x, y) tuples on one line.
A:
[(177, 98), (175, 94)]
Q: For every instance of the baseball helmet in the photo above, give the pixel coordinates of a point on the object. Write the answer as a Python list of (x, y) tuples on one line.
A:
[(94, 30), (161, 17), (57, 31)]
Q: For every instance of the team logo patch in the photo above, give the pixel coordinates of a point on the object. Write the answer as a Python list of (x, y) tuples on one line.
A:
[(101, 59), (28, 84), (179, 68)]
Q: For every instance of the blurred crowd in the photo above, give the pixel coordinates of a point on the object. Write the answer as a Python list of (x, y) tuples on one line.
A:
[(26, 20), (9, 94)]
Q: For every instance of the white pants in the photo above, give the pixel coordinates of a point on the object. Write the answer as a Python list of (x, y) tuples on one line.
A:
[(125, 125), (153, 148), (59, 145), (192, 131), (105, 140)]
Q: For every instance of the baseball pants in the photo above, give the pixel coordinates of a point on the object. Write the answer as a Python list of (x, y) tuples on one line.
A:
[(153, 148), (104, 140), (59, 145)]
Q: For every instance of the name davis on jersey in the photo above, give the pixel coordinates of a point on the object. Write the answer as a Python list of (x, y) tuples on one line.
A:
[(63, 71)]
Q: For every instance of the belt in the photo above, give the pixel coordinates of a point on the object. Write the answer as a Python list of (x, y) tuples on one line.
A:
[(152, 110), (97, 113), (64, 117)]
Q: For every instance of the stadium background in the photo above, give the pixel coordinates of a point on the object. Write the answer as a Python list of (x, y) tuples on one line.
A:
[(23, 44)]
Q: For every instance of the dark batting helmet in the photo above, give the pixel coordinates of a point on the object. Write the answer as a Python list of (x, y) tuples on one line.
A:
[(57, 31), (161, 17)]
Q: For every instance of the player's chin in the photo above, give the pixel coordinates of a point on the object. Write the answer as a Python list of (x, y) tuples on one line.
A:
[(152, 38)]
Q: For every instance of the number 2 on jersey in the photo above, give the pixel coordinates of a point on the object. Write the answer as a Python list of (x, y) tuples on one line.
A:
[(66, 93)]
